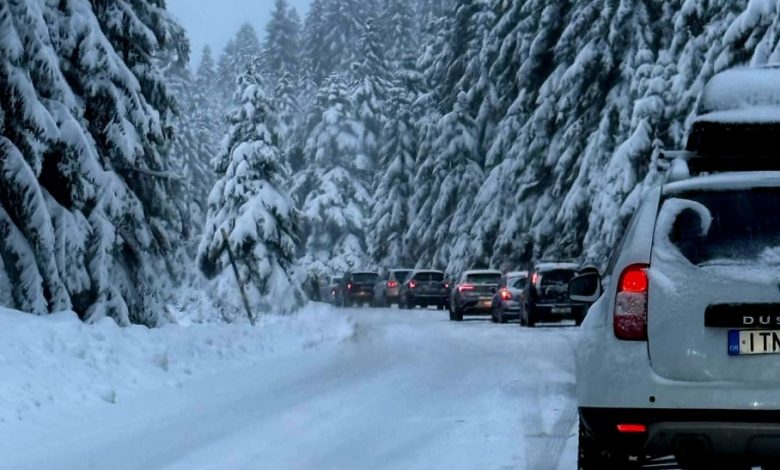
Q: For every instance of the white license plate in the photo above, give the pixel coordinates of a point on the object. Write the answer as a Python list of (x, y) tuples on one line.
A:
[(486, 303), (749, 342), (561, 310)]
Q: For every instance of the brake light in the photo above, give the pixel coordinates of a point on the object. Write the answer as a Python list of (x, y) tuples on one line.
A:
[(535, 278), (465, 287), (412, 285), (505, 294), (446, 285), (349, 286), (392, 284), (630, 315), (631, 428)]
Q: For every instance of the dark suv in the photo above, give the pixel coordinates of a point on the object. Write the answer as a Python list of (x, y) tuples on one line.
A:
[(546, 295), (424, 288), (357, 288), (473, 295)]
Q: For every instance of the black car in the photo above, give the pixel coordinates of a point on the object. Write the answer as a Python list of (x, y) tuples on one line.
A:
[(473, 295), (357, 288), (424, 288), (547, 297)]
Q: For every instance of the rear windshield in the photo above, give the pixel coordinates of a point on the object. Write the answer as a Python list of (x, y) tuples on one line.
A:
[(365, 277), (484, 278), (435, 277), (557, 276), (728, 227), (517, 283), (401, 275)]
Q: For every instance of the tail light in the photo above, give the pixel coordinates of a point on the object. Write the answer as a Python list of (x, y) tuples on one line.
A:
[(465, 287), (630, 316), (392, 284), (412, 285), (446, 285), (505, 294), (535, 278), (349, 286), (631, 428)]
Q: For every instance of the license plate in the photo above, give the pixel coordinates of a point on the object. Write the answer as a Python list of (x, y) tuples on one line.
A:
[(561, 310), (486, 303), (749, 342)]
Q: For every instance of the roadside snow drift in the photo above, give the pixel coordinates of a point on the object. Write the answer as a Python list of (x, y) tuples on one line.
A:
[(57, 360)]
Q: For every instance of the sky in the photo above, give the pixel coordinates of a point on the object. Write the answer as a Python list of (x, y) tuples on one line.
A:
[(214, 22)]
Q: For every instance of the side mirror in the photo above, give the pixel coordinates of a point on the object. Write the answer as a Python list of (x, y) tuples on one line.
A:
[(585, 287)]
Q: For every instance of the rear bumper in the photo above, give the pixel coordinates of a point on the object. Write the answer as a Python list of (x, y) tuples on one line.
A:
[(558, 311), (474, 307), (748, 434)]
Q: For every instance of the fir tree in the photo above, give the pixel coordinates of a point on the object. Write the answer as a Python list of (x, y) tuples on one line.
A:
[(281, 48), (250, 204)]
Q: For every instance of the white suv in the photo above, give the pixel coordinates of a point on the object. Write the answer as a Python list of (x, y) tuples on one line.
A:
[(680, 353)]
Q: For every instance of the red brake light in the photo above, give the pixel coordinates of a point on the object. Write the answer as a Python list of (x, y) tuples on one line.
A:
[(634, 279), (535, 278), (349, 286), (630, 315), (446, 285), (465, 287), (505, 294), (412, 284), (392, 284), (631, 428)]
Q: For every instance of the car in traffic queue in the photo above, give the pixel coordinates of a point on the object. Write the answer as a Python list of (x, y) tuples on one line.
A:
[(473, 294), (508, 299), (424, 288), (331, 290), (679, 353), (357, 288), (546, 295), (388, 290)]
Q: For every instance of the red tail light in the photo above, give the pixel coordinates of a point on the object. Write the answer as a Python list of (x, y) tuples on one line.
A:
[(505, 294), (392, 284), (631, 428), (465, 287), (535, 278), (412, 285), (349, 286), (446, 285), (630, 315)]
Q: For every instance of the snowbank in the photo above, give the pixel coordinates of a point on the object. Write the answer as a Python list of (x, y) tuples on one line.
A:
[(57, 360)]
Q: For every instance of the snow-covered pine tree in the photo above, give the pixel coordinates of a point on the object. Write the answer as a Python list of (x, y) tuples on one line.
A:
[(282, 45), (446, 184), (399, 31), (249, 202), (331, 189), (391, 206), (368, 95), (240, 53), (85, 216)]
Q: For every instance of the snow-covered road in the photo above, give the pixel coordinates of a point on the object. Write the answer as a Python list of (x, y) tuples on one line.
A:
[(410, 390)]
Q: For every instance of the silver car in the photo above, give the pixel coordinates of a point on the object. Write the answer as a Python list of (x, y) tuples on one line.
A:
[(387, 290), (681, 354), (509, 298)]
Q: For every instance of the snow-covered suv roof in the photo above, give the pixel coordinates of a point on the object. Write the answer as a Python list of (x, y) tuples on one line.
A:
[(482, 271), (740, 180), (517, 274), (742, 95), (553, 266)]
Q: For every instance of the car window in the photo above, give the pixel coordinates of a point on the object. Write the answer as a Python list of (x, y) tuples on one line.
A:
[(483, 278), (557, 276), (517, 283), (428, 277), (365, 277), (401, 275), (727, 227)]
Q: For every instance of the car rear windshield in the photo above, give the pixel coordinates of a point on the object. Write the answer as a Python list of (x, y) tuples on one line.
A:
[(557, 276), (429, 277), (401, 275), (484, 278), (744, 226), (517, 283), (365, 277)]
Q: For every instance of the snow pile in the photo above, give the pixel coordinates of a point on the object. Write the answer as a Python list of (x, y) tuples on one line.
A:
[(57, 360)]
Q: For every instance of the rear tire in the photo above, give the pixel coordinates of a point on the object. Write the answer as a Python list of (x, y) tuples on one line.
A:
[(593, 456), (530, 319), (440, 307), (501, 317), (458, 315)]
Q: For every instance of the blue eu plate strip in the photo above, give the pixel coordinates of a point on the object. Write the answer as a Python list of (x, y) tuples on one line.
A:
[(733, 342)]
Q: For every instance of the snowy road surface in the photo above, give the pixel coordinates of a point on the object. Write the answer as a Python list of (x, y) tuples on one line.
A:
[(410, 390)]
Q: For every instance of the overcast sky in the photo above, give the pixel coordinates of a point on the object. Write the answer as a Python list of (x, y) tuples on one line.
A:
[(214, 22)]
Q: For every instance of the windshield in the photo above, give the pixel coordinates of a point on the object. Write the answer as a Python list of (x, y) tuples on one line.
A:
[(557, 277), (484, 278), (517, 283), (429, 277), (365, 277), (727, 227), (401, 275)]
